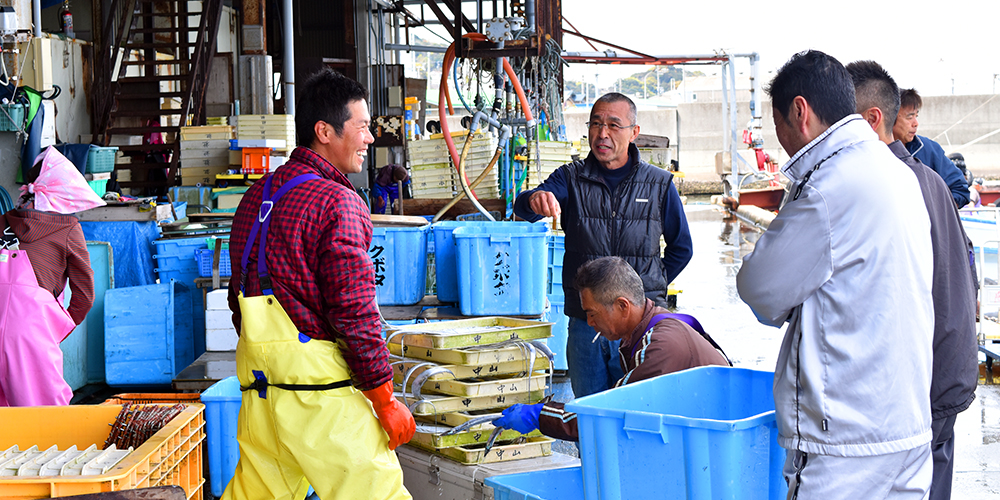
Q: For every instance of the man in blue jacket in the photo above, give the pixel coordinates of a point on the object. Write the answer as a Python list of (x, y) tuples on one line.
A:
[(610, 204), (925, 149)]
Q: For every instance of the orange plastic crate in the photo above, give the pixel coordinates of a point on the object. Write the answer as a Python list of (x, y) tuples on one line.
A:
[(256, 160), (153, 398), (173, 456)]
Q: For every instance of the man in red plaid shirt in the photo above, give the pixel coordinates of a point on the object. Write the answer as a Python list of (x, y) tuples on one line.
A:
[(294, 432)]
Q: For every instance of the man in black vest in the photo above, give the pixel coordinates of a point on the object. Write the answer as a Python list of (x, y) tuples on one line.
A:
[(610, 204)]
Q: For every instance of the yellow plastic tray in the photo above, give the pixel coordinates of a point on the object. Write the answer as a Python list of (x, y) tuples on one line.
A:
[(468, 371), (470, 356), (475, 454), (428, 436), (469, 332), (434, 404)]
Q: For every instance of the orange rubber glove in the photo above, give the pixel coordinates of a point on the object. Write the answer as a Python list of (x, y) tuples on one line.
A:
[(393, 415)]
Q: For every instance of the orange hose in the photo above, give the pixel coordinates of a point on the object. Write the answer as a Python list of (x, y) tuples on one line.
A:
[(445, 96)]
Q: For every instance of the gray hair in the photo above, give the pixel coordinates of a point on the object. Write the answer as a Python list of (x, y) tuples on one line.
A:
[(609, 278), (613, 97)]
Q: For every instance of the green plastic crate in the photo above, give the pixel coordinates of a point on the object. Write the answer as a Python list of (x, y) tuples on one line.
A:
[(101, 160)]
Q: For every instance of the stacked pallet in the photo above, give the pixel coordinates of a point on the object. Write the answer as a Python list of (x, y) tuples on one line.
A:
[(204, 154), (544, 160), (266, 131), (452, 372)]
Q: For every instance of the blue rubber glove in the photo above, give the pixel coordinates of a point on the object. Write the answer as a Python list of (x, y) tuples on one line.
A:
[(521, 418)]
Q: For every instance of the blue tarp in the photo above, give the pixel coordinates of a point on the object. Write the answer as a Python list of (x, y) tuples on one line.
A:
[(132, 246)]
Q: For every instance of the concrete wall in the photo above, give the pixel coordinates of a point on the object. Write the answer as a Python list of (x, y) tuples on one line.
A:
[(966, 118), (72, 107)]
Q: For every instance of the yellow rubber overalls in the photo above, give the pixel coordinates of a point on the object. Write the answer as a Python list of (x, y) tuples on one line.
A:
[(301, 422)]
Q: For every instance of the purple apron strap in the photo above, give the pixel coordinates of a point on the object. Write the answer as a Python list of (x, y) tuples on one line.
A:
[(683, 318), (262, 223)]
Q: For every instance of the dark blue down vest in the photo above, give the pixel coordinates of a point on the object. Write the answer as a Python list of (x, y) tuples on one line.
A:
[(626, 223)]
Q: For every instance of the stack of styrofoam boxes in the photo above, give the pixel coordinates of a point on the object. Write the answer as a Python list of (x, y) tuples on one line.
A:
[(267, 131), (204, 154), (220, 334), (544, 160)]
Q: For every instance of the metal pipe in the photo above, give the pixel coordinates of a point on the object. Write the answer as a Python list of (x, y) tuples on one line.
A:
[(529, 14), (286, 21), (415, 48), (36, 17)]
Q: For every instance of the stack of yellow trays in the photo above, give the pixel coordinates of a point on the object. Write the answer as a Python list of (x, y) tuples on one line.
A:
[(433, 173), (549, 156), (204, 153), (450, 372), (262, 130)]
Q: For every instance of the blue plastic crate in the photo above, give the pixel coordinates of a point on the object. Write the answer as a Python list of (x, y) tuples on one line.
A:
[(222, 408), (446, 259), (556, 244), (552, 484), (501, 267), (148, 335), (177, 255), (205, 256), (399, 255), (707, 432), (560, 330)]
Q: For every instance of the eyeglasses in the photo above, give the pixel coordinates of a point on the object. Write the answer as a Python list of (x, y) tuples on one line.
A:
[(612, 127)]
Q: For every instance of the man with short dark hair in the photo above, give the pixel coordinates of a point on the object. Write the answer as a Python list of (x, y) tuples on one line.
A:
[(611, 203), (847, 264), (653, 341), (927, 150), (318, 406), (953, 289)]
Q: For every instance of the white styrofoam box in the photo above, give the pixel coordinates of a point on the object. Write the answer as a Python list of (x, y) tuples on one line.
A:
[(209, 144), (261, 143), (216, 319), (218, 300), (221, 339)]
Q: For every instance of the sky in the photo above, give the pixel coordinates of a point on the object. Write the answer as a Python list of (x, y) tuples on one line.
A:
[(939, 48)]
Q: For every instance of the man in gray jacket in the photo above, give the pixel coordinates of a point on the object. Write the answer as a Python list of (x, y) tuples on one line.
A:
[(847, 264), (953, 289)]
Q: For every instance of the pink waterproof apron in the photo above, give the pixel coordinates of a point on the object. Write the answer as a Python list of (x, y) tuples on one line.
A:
[(32, 324)]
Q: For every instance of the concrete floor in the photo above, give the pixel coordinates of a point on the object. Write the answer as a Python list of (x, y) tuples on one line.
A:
[(977, 447)]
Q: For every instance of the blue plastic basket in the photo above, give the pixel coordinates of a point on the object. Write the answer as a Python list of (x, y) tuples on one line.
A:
[(553, 484), (707, 432), (177, 256), (560, 330), (222, 408), (399, 256), (205, 256), (556, 244), (148, 335), (101, 159), (501, 268)]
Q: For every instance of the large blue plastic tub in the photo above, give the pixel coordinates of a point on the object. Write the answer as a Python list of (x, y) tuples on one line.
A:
[(704, 433), (501, 268), (147, 334), (222, 410), (399, 255), (553, 484), (446, 257), (560, 330)]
